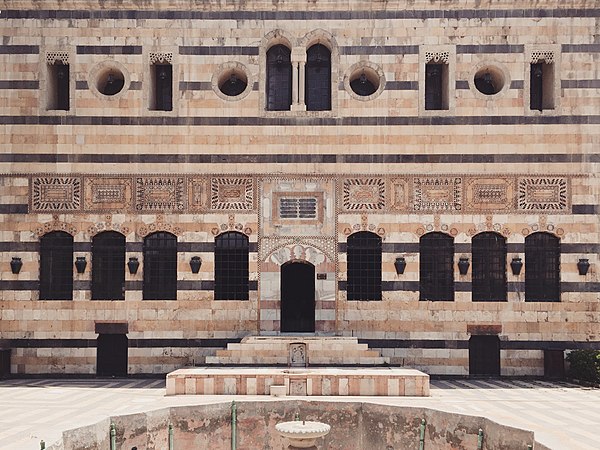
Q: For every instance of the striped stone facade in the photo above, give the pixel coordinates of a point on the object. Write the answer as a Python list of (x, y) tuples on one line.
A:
[(382, 163)]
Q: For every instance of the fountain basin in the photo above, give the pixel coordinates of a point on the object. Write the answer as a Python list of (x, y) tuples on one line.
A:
[(302, 434)]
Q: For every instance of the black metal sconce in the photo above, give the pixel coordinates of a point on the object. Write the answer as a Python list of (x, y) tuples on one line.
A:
[(400, 265), (133, 264), (583, 265), (15, 265), (80, 264), (463, 265), (516, 265), (195, 264)]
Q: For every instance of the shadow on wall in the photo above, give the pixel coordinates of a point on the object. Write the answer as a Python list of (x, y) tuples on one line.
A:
[(354, 426)]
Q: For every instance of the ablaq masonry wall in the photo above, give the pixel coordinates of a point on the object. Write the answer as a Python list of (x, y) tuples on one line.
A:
[(479, 153)]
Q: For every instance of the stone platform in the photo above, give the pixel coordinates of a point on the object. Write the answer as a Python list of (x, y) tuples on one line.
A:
[(312, 381)]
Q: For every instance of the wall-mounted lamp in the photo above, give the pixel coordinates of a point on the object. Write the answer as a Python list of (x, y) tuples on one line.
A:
[(400, 265), (516, 265), (15, 265), (463, 265), (133, 264), (583, 265), (80, 264), (195, 264)]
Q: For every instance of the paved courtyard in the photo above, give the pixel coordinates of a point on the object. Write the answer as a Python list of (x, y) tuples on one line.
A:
[(563, 416)]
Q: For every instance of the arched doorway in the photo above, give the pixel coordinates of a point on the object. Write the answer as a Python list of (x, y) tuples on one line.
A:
[(298, 297)]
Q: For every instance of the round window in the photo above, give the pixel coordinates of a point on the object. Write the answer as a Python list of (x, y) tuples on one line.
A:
[(110, 81), (232, 83), (489, 80), (363, 84), (364, 81)]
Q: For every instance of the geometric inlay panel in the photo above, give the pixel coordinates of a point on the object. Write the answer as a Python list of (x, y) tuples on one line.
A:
[(198, 193), (363, 194), (437, 193), (236, 194), (543, 194), (55, 193), (489, 194), (160, 194), (107, 194), (399, 191)]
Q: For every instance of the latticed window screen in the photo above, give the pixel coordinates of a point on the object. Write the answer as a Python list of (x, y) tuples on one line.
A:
[(434, 86), (542, 268), (364, 266), (231, 266), (489, 267), (298, 208), (160, 266), (56, 266), (279, 78), (108, 266), (436, 279), (318, 78)]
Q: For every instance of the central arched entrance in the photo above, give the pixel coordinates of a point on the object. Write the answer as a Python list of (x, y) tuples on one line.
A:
[(298, 297)]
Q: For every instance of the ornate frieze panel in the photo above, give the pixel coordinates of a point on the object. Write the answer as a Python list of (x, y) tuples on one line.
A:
[(232, 194), (489, 194), (160, 194), (399, 194), (107, 194), (543, 194), (311, 249), (361, 194), (55, 194), (437, 194), (198, 194)]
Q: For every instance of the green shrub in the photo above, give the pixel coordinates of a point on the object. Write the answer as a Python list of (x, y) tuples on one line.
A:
[(585, 365)]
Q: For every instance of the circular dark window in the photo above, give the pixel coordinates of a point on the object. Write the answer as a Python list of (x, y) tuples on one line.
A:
[(110, 82), (489, 80), (364, 82), (233, 83)]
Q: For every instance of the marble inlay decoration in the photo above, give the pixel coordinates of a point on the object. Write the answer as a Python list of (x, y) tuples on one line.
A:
[(437, 194), (55, 193), (160, 194), (543, 194)]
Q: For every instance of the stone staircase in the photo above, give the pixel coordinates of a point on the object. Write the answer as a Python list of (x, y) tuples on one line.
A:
[(297, 351)]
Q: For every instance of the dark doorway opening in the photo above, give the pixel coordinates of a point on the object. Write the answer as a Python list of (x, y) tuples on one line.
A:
[(484, 356), (111, 355), (298, 297), (554, 364)]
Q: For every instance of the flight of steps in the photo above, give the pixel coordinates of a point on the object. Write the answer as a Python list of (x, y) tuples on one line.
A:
[(275, 351)]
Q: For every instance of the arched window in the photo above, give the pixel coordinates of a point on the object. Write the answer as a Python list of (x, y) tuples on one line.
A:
[(489, 267), (542, 268), (108, 266), (231, 266), (160, 266), (318, 78), (436, 269), (279, 78), (56, 266), (364, 266)]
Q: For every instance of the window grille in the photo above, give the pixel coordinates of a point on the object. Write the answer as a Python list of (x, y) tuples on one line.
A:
[(542, 268), (541, 86), (318, 78), (231, 266), (364, 266), (489, 267), (298, 208), (56, 266), (58, 86), (434, 86), (279, 78), (108, 266), (436, 254), (160, 266), (163, 87)]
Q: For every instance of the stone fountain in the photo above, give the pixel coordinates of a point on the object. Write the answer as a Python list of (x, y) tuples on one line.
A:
[(302, 433)]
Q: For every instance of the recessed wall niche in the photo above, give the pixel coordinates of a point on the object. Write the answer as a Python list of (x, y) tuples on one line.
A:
[(109, 80)]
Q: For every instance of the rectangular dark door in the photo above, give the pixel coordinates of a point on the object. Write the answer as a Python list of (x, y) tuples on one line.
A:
[(484, 356), (111, 355), (554, 364)]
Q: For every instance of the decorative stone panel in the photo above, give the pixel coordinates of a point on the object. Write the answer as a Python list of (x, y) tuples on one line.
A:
[(198, 193), (437, 193), (160, 57), (58, 57), (160, 194), (107, 194), (399, 194), (55, 194), (360, 194), (232, 194), (543, 194), (489, 194)]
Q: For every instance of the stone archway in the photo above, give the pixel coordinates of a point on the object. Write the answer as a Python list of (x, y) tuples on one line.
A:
[(297, 297)]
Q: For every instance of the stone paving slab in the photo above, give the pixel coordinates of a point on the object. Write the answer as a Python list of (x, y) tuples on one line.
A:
[(563, 416)]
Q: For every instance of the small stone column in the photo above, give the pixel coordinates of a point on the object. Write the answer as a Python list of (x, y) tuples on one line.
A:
[(298, 63)]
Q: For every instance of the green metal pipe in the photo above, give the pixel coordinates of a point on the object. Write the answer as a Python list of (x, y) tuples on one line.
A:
[(422, 435), (42, 445), (233, 425), (170, 436), (530, 447), (113, 437), (480, 440)]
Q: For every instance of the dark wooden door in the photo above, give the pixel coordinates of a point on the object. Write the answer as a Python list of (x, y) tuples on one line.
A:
[(484, 356), (554, 364), (298, 297), (111, 355)]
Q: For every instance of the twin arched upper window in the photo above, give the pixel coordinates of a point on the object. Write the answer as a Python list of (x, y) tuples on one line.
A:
[(316, 91)]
